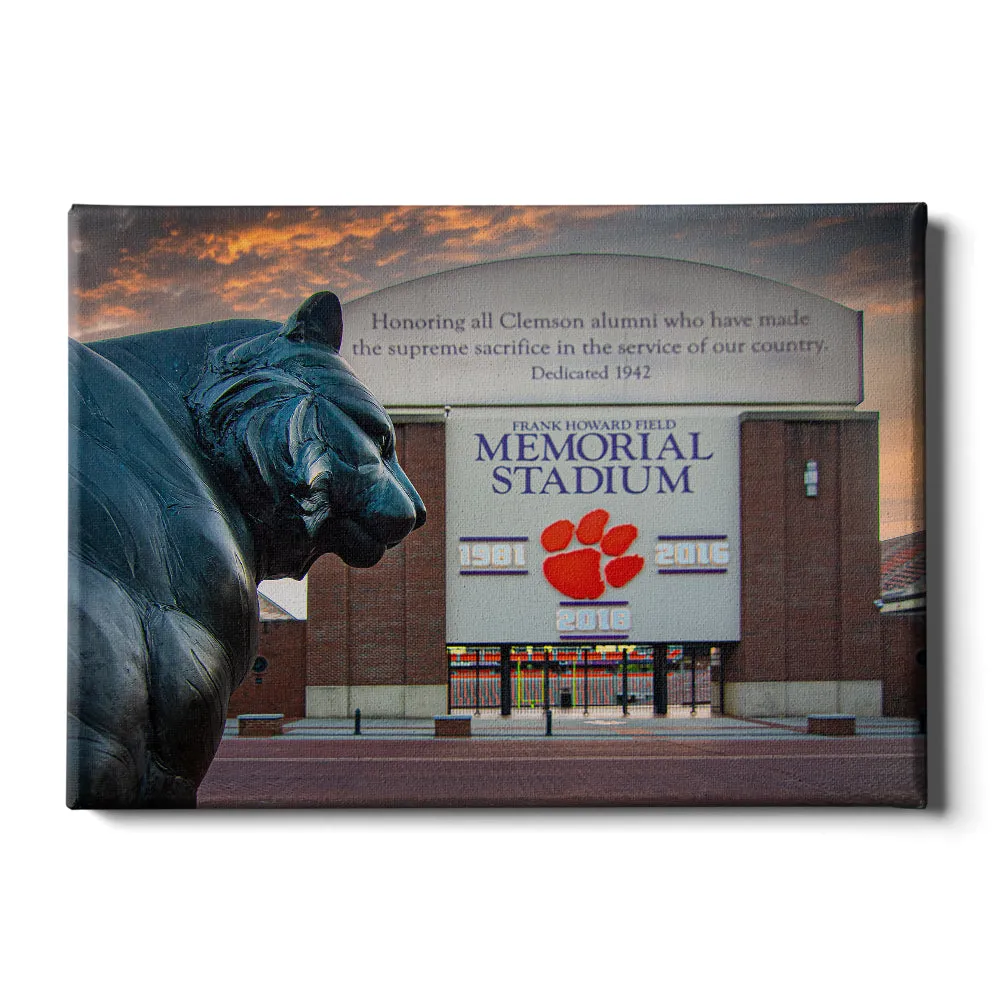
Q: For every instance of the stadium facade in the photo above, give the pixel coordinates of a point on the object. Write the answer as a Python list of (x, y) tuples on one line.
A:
[(648, 487)]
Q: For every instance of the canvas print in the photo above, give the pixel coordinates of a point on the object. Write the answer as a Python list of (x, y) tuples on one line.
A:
[(496, 506)]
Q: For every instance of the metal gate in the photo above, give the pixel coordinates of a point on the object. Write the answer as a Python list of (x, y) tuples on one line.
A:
[(687, 684), (665, 679), (474, 678)]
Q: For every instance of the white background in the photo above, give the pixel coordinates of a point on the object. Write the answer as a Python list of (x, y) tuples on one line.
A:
[(450, 103)]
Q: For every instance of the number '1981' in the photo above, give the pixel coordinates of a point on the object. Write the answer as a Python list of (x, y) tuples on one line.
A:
[(495, 555)]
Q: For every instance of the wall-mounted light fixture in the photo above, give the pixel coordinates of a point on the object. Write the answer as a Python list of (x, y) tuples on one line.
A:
[(258, 669), (812, 478)]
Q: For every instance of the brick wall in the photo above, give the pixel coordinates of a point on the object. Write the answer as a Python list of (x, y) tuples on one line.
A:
[(810, 565), (903, 636), (385, 624), (282, 686)]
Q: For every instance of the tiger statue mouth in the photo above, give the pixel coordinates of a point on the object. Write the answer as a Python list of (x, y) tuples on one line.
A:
[(359, 538)]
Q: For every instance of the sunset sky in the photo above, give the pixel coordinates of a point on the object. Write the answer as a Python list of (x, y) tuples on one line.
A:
[(139, 269)]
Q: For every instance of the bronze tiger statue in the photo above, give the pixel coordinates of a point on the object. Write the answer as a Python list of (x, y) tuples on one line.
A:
[(202, 461)]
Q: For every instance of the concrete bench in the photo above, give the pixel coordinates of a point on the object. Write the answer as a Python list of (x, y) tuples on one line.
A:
[(452, 725), (830, 725), (256, 725)]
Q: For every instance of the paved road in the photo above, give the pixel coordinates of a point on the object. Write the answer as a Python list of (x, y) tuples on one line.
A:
[(381, 772)]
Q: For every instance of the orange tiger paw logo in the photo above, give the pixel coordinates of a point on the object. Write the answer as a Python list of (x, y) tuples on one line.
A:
[(578, 573)]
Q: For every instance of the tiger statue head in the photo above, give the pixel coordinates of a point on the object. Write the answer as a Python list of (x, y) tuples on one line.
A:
[(304, 448)]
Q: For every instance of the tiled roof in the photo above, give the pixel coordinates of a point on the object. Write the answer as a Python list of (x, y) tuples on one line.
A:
[(904, 564)]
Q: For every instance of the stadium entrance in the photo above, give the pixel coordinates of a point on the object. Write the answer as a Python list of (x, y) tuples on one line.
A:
[(658, 678)]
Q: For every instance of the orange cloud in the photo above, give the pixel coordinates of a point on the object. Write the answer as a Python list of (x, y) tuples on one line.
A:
[(279, 238), (260, 261), (911, 307), (129, 283)]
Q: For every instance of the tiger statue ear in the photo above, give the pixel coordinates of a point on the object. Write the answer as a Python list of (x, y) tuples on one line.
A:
[(319, 320)]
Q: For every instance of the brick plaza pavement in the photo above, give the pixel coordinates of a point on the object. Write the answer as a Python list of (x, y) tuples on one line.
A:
[(607, 760)]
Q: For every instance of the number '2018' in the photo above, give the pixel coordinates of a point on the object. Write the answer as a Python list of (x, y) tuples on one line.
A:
[(588, 619)]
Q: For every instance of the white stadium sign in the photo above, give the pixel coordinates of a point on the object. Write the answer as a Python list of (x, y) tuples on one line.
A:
[(613, 524), (602, 328)]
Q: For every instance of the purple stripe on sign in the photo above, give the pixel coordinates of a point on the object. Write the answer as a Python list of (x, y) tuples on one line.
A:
[(691, 538), (593, 604), (683, 571), (574, 636), (492, 572), (496, 538)]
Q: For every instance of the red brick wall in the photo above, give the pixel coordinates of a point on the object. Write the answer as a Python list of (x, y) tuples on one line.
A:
[(762, 541), (812, 556), (424, 556), (328, 623), (861, 553), (282, 687), (385, 624), (810, 565), (905, 691)]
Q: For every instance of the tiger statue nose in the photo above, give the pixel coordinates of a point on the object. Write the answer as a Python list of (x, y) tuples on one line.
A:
[(394, 514), (390, 527), (421, 517)]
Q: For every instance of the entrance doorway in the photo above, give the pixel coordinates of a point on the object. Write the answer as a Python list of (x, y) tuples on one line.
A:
[(657, 678)]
